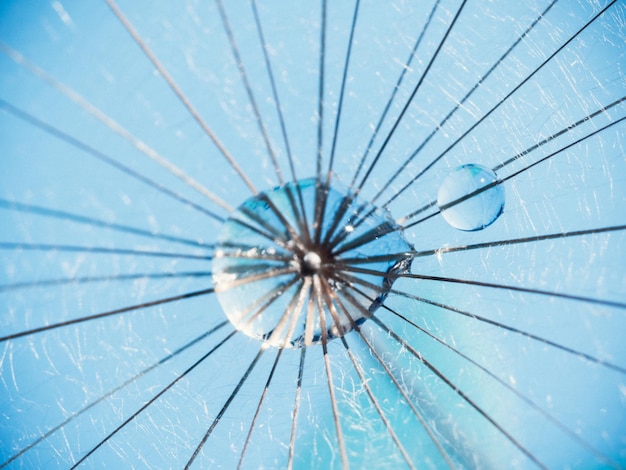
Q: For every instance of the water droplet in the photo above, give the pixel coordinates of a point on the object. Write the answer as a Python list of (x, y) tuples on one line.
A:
[(470, 197), (289, 271)]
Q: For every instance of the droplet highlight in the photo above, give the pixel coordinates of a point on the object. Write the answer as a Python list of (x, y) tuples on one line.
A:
[(470, 197)]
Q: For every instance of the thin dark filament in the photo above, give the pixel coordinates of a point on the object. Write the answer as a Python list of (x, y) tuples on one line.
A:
[(342, 89), (379, 410), (281, 238), (281, 118), (460, 104), (18, 246), (112, 392), (294, 236), (246, 269), (310, 319), (395, 90), (263, 303), (375, 233), (336, 219), (350, 281), (498, 104), (230, 399), (94, 279), (354, 220), (179, 93), (512, 175), (376, 258), (369, 285), (528, 151), (244, 78), (358, 222), (415, 90), (266, 274), (257, 256), (381, 413), (385, 228), (153, 399), (576, 142), (589, 117), (296, 409), (96, 316), (271, 232), (320, 92), (338, 216), (328, 293), (247, 247), (460, 392), (343, 280), (571, 434), (477, 246), (293, 311), (113, 125), (81, 219), (273, 236), (321, 186), (331, 388), (87, 149), (302, 295), (299, 212), (321, 197), (346, 202), (480, 318), (258, 408), (514, 241), (272, 336), (579, 298)]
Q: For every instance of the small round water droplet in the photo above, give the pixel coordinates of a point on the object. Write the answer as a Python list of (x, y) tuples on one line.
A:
[(470, 197)]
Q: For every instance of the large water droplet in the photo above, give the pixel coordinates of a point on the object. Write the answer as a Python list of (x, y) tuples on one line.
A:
[(287, 272), (470, 197)]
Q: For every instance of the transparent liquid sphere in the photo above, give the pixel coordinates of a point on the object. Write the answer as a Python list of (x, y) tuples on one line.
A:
[(282, 279), (463, 202)]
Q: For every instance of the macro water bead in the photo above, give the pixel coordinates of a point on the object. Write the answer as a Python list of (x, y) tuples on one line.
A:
[(294, 275), (470, 197)]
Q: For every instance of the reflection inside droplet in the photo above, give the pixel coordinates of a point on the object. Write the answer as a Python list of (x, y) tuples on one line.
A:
[(470, 197)]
